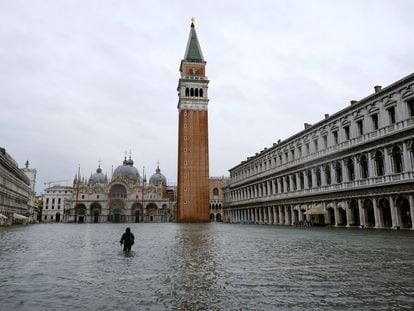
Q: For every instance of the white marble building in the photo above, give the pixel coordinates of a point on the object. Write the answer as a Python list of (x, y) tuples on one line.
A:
[(353, 168), (54, 199)]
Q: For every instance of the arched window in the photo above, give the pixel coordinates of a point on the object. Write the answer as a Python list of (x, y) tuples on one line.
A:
[(295, 187), (287, 183), (350, 167), (201, 92), (318, 177), (328, 174), (309, 176), (187, 91), (363, 161), (396, 156), (191, 92), (196, 92), (338, 171), (379, 163)]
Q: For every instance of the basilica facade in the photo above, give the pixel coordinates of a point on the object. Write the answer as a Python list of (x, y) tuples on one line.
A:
[(125, 197), (353, 168)]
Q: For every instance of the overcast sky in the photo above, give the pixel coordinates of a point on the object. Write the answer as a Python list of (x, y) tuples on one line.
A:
[(83, 81)]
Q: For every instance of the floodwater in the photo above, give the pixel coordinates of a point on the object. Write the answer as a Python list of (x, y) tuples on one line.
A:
[(205, 267)]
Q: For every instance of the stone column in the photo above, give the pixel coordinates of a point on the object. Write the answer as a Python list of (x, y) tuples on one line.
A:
[(344, 172), (284, 184), (305, 181), (287, 219), (394, 215), (333, 173), (376, 214), (406, 158), (357, 168), (323, 176), (387, 163), (361, 214), (314, 181), (348, 216), (273, 187), (298, 187), (411, 201), (336, 213), (274, 214), (370, 165), (292, 214)]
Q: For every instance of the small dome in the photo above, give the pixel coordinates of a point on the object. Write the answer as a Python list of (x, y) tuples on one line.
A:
[(158, 178), (127, 170), (98, 177)]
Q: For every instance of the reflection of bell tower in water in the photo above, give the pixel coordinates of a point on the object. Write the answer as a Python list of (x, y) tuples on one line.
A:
[(193, 174)]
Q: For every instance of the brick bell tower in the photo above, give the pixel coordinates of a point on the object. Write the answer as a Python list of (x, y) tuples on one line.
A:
[(193, 172)]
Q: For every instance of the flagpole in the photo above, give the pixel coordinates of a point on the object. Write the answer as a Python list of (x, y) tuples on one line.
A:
[(143, 181)]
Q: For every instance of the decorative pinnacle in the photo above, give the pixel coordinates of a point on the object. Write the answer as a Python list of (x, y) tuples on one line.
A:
[(192, 21)]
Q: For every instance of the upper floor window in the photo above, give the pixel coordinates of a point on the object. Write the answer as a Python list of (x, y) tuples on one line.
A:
[(396, 156), (307, 148), (364, 166), (215, 191), (374, 119), (325, 141), (287, 156), (360, 126), (309, 177), (318, 177), (335, 137), (299, 151), (346, 130), (391, 115), (187, 91), (351, 172), (338, 172), (316, 145), (292, 152), (47, 201), (53, 201), (59, 200), (379, 163), (328, 174), (410, 105)]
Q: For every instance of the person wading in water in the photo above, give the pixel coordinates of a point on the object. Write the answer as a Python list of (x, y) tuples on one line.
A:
[(127, 240)]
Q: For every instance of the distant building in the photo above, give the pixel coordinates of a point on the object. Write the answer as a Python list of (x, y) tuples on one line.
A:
[(15, 191), (216, 197), (54, 199), (125, 197), (353, 168), (33, 208)]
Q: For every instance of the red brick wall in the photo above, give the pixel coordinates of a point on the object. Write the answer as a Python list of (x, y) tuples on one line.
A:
[(193, 170)]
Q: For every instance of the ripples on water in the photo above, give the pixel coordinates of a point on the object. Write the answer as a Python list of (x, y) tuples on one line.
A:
[(205, 267)]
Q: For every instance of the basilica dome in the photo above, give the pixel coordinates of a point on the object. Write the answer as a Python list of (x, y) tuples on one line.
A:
[(158, 178), (98, 177), (128, 170)]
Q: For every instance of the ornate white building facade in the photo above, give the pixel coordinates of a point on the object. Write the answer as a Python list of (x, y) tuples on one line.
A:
[(54, 199), (126, 197), (353, 168)]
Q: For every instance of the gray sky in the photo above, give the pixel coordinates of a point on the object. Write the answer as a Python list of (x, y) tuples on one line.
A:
[(85, 80)]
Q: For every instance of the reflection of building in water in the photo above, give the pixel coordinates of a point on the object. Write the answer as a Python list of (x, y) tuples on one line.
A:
[(354, 168), (126, 197), (216, 197), (16, 192)]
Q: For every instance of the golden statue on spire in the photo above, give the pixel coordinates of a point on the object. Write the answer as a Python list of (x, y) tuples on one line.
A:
[(192, 20)]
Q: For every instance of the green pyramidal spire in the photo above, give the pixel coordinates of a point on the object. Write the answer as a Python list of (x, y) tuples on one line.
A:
[(193, 52)]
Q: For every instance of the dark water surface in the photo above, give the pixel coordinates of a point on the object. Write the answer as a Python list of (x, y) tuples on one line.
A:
[(205, 267)]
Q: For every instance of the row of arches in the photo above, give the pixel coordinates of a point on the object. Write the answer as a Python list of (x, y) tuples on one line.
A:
[(378, 212), (378, 121), (216, 217), (359, 167), (116, 214), (197, 92)]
